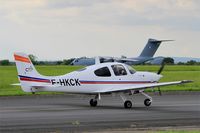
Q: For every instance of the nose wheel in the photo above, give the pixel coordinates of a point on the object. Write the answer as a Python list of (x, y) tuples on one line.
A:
[(147, 102)]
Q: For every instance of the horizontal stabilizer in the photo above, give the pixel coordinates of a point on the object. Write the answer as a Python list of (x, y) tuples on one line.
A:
[(16, 84), (127, 60), (154, 40)]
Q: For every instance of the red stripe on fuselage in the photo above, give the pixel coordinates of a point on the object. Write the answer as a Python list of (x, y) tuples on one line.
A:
[(34, 80)]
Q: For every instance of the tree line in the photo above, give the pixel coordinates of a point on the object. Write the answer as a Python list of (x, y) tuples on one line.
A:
[(34, 60), (61, 62), (170, 61)]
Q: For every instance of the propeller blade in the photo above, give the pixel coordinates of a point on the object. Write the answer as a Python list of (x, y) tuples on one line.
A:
[(159, 91), (161, 68)]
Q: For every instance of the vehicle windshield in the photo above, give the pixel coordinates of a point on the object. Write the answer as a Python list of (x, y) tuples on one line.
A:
[(131, 70)]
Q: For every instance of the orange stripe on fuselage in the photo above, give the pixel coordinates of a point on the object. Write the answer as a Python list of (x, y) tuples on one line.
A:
[(21, 58)]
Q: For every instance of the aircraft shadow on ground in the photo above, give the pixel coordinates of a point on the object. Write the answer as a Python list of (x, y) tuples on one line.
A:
[(158, 109), (137, 108)]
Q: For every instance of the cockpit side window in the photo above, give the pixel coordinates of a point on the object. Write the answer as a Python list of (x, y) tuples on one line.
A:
[(131, 70), (102, 72), (119, 70)]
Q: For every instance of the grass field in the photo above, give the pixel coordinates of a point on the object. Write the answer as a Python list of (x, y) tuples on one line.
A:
[(8, 75)]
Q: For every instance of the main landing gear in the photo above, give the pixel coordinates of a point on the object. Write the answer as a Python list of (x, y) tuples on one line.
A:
[(128, 103), (93, 102)]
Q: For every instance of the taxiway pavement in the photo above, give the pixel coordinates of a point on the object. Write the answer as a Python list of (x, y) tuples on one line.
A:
[(69, 113)]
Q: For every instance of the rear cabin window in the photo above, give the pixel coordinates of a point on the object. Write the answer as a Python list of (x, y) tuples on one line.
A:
[(119, 70), (102, 72)]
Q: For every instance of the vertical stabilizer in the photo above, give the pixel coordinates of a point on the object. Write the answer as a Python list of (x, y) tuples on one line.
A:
[(27, 74), (25, 66), (151, 47)]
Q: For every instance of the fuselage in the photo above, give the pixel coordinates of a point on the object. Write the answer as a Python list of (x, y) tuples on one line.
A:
[(97, 77)]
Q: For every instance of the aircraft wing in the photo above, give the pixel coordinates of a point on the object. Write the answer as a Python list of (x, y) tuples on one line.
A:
[(143, 86), (128, 60), (125, 59)]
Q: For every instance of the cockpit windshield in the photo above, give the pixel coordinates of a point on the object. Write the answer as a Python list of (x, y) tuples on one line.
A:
[(131, 70)]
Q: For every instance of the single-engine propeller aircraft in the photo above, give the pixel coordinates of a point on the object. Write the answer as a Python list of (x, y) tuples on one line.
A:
[(106, 78)]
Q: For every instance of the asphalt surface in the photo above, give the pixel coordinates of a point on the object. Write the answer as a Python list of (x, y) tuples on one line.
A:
[(70, 113)]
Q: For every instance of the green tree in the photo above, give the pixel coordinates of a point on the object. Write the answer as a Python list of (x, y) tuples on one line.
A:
[(169, 61), (33, 59), (67, 62), (191, 62), (59, 62), (180, 63), (4, 62)]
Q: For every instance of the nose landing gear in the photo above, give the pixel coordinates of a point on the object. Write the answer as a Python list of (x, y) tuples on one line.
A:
[(148, 101)]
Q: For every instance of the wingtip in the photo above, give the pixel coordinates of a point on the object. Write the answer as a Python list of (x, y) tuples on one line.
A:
[(187, 81)]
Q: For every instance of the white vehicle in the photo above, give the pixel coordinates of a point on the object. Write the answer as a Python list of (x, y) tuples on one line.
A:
[(106, 78)]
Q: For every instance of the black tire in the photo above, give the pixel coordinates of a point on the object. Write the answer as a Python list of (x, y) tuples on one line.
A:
[(147, 102), (93, 102), (127, 104)]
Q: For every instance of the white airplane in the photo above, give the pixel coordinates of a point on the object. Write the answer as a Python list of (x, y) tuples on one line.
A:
[(106, 78)]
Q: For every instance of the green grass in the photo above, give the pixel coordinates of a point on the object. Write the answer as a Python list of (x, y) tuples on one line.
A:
[(8, 75), (173, 73)]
